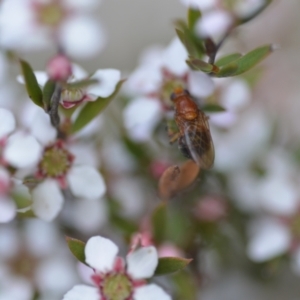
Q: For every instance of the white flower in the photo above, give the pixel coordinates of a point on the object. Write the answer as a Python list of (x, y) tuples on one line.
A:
[(7, 124), (234, 96), (110, 271), (268, 239), (214, 24), (141, 116), (107, 81), (34, 25), (84, 180), (200, 4), (18, 149)]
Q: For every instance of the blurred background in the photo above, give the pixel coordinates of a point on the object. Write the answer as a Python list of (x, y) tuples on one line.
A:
[(231, 262)]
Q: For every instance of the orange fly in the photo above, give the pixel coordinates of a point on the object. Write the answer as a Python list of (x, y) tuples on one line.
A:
[(194, 139)]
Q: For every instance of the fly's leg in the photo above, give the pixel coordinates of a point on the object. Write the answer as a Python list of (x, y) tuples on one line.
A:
[(172, 130), (173, 137)]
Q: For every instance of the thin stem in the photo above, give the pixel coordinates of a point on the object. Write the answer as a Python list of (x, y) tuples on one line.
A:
[(54, 102)]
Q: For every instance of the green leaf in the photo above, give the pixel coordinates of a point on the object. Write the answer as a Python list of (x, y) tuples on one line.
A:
[(93, 109), (21, 200), (193, 16), (227, 59), (211, 108), (48, 90), (246, 62), (227, 70), (81, 84), (32, 87), (77, 248), (200, 65), (167, 265), (159, 222), (185, 285), (193, 45)]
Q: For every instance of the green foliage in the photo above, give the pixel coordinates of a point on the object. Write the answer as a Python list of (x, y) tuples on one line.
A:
[(200, 65), (159, 223), (93, 109), (48, 91), (246, 62), (193, 16), (167, 265), (32, 87), (212, 108), (81, 84), (77, 248), (227, 59)]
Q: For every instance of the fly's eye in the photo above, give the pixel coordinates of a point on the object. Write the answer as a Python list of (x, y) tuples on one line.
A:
[(173, 96)]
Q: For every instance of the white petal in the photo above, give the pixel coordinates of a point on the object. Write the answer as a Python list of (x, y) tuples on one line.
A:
[(47, 200), (82, 37), (200, 84), (22, 150), (201, 4), (100, 253), (150, 292), (224, 119), (78, 72), (41, 128), (7, 124), (108, 79), (86, 182), (269, 239), (142, 263), (214, 24), (141, 116), (80, 292), (236, 95), (174, 58), (279, 195), (7, 210)]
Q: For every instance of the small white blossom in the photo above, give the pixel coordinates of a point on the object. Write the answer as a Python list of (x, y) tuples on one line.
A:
[(101, 255), (34, 25)]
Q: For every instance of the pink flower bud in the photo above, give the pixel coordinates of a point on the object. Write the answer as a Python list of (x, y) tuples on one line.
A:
[(59, 68), (211, 209), (169, 250)]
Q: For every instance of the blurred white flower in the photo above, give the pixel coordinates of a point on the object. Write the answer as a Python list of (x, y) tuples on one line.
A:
[(107, 81), (235, 95), (111, 272), (41, 246), (141, 116), (200, 4), (34, 25), (237, 148), (214, 24), (268, 238)]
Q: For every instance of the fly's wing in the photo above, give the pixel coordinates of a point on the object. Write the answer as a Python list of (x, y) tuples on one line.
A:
[(198, 141)]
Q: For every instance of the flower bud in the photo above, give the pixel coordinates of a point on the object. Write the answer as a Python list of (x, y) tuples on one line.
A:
[(59, 68)]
